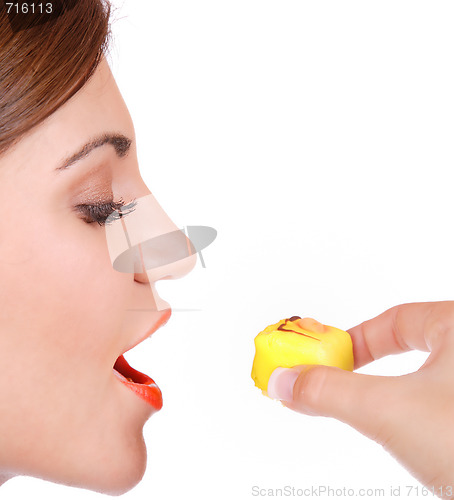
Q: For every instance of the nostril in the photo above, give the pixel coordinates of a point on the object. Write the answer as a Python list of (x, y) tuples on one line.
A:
[(141, 277)]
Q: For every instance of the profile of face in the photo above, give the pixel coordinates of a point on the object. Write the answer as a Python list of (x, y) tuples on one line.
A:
[(67, 315)]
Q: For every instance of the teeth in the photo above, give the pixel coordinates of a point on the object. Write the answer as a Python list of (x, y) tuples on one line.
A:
[(119, 375)]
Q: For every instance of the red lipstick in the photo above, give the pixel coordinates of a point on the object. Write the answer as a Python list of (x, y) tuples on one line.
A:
[(143, 385)]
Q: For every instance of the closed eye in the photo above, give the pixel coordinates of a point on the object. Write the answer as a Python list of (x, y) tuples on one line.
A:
[(100, 212)]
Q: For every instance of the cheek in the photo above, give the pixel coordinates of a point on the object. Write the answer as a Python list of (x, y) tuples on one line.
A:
[(62, 302), (63, 306)]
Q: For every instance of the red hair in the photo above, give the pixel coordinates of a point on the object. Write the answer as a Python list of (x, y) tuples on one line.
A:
[(43, 65)]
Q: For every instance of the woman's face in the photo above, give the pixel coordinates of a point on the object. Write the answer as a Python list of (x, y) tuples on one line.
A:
[(66, 314)]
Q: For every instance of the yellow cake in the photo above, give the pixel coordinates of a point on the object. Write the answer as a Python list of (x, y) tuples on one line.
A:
[(295, 341)]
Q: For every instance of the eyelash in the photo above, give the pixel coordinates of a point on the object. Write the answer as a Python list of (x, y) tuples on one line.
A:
[(100, 212)]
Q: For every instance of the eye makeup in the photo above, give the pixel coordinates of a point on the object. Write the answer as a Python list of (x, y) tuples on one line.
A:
[(93, 199), (99, 212)]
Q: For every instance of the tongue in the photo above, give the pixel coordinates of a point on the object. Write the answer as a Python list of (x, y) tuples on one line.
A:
[(121, 365)]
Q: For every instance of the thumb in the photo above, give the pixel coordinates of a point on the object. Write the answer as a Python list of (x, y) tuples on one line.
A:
[(368, 403)]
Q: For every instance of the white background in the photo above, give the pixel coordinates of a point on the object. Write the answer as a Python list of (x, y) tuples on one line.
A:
[(316, 137)]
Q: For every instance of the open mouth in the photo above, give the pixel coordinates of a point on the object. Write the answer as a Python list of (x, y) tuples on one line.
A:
[(143, 385)]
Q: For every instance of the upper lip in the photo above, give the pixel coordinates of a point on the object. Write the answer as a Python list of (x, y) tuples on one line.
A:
[(163, 318)]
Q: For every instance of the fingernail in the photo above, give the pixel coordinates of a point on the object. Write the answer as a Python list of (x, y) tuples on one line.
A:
[(281, 382)]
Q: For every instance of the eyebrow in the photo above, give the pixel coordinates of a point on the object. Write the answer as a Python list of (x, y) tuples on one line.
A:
[(120, 142)]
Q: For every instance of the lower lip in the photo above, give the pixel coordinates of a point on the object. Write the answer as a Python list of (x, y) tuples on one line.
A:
[(144, 386)]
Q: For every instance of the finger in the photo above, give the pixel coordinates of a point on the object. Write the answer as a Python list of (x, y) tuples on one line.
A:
[(350, 397), (417, 325)]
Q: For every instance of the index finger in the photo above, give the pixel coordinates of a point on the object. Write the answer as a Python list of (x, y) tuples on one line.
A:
[(401, 328)]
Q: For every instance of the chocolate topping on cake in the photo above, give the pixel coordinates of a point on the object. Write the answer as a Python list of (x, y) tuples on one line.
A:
[(282, 329)]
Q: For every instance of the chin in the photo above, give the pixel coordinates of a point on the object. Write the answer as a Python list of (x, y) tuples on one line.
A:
[(121, 473), (114, 471)]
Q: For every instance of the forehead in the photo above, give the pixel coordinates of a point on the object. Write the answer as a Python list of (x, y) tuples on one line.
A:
[(96, 108)]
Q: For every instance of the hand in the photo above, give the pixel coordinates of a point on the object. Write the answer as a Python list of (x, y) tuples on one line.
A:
[(411, 416)]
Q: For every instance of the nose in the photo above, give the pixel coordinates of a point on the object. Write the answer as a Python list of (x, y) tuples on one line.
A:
[(167, 256), (143, 240)]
